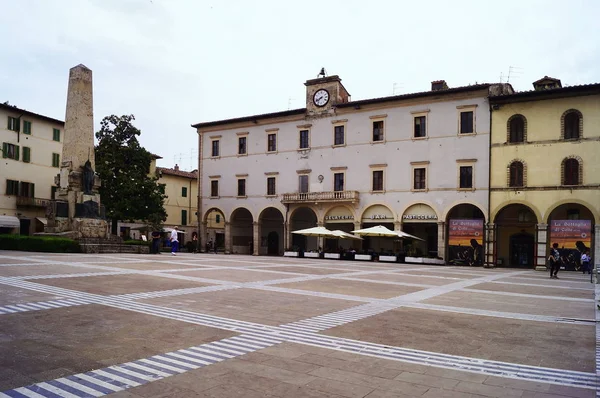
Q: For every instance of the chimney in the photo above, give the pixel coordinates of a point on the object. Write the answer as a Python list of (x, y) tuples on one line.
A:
[(439, 85), (176, 168)]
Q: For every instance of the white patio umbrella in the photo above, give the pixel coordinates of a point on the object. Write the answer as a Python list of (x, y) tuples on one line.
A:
[(378, 230), (345, 235), (315, 231), (404, 235)]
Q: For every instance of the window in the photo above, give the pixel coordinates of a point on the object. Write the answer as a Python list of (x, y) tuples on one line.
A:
[(10, 151), (572, 214), (271, 186), (272, 142), (304, 144), (419, 178), (12, 187), (14, 124), (27, 190), (26, 154), (26, 127), (214, 188), (572, 125), (303, 183), (215, 148), (515, 174), (241, 188), (466, 177), (571, 172), (378, 131), (339, 135), (242, 149), (466, 122), (218, 218), (184, 192), (55, 160), (338, 182), (53, 190), (184, 217), (56, 135), (420, 127), (378, 180), (516, 127)]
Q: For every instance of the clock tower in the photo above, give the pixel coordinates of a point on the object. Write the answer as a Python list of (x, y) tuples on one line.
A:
[(324, 92)]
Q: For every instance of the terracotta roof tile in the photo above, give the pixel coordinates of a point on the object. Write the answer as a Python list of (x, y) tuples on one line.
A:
[(179, 173)]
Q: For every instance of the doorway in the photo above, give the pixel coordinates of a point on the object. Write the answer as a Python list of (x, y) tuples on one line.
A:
[(25, 225), (273, 243), (522, 248)]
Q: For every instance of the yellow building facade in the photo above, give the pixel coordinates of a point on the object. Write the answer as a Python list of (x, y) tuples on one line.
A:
[(544, 175), (181, 188)]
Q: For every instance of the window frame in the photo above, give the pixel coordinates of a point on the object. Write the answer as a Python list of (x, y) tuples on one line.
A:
[(300, 177), (343, 127), (377, 170), (214, 188), (341, 173), (465, 166), (55, 156), (416, 169), (274, 135), (13, 124), (26, 154), (509, 135), (241, 183), (12, 187), (465, 109), (184, 192), (30, 189), (274, 179), (10, 151), (566, 178), (184, 217), (512, 166), (245, 138), (382, 130), (215, 143), (56, 134), (26, 127), (300, 139), (418, 116), (578, 131)]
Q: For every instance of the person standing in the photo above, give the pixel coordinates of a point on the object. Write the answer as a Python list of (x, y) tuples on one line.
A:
[(155, 242), (174, 241), (554, 260), (585, 262)]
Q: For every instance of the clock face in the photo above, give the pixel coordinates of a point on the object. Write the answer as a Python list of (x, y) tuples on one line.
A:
[(321, 97)]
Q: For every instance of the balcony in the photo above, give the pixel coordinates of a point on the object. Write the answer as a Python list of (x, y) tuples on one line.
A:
[(25, 201), (315, 197)]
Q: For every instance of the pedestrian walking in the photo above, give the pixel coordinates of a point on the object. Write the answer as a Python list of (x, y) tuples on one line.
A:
[(174, 241), (155, 242), (554, 260)]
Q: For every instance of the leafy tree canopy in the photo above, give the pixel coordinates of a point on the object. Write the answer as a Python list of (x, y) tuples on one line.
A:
[(128, 191)]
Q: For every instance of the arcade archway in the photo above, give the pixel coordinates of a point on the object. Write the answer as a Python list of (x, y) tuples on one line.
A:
[(241, 230), (465, 235), (271, 231), (515, 236), (303, 218)]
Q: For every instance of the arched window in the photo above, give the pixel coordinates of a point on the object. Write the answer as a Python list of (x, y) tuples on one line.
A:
[(516, 129), (572, 124), (571, 172), (515, 174)]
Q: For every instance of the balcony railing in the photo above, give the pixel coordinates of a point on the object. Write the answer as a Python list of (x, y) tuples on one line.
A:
[(330, 196), (25, 201)]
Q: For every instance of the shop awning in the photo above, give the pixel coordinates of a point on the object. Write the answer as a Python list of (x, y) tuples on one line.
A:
[(9, 222), (42, 220)]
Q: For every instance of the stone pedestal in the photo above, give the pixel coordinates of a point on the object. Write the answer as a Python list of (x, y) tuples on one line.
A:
[(541, 243)]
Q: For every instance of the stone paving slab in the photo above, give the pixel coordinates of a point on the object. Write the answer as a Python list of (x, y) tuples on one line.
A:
[(14, 295), (526, 305), (268, 308), (354, 288), (311, 270), (442, 274), (547, 282), (553, 345), (44, 345), (152, 266), (45, 269), (120, 284), (535, 290), (404, 278), (237, 276)]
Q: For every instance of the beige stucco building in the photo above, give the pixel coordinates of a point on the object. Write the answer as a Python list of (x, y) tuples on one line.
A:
[(31, 150), (414, 162), (545, 174)]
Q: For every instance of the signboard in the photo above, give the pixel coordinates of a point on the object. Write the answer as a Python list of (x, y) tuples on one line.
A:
[(465, 241), (339, 214), (377, 214), (419, 213), (571, 234)]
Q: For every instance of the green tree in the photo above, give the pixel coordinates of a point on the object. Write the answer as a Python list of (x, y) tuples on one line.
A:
[(128, 191)]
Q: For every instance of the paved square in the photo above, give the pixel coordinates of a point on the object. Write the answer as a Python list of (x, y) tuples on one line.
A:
[(209, 325)]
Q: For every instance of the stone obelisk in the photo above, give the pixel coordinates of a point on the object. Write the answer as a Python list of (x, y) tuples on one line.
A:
[(76, 210)]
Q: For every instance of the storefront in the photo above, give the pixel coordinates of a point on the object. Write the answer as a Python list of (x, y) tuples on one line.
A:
[(516, 236), (340, 218), (378, 215), (571, 225), (421, 221)]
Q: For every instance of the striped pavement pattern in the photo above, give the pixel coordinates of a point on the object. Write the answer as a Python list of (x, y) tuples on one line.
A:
[(42, 305)]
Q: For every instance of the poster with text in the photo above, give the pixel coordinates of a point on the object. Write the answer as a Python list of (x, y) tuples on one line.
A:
[(465, 242), (567, 233)]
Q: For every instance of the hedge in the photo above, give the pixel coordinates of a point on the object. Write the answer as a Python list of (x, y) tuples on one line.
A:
[(48, 244)]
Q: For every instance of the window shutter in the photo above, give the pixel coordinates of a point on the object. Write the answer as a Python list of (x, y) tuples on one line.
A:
[(16, 152), (32, 190), (4, 149)]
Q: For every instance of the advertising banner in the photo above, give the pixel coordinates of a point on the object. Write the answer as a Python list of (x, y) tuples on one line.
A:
[(571, 234), (465, 241)]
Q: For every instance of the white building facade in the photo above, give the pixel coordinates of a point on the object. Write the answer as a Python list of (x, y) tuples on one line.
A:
[(31, 152), (412, 162)]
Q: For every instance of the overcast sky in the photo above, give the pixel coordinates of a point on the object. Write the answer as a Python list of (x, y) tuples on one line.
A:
[(173, 63)]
